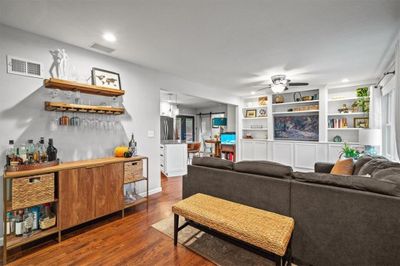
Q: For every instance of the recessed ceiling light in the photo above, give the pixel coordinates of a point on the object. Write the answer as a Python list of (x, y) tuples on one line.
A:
[(345, 80), (109, 37), (253, 92)]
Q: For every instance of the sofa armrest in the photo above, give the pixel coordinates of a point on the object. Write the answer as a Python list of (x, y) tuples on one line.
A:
[(323, 167)]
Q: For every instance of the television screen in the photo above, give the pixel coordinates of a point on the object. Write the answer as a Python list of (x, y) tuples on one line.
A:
[(219, 122), (228, 138)]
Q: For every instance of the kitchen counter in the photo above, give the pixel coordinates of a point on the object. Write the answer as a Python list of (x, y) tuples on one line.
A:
[(72, 165), (168, 142)]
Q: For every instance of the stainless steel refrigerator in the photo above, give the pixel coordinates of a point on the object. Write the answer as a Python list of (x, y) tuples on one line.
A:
[(166, 128)]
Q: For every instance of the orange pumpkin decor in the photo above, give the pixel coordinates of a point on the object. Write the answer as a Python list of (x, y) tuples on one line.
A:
[(120, 151)]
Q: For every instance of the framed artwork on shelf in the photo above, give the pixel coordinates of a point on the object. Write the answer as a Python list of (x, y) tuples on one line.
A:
[(262, 112), (262, 101), (251, 113), (361, 122), (105, 78)]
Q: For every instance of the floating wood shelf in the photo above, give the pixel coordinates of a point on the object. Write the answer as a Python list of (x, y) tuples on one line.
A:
[(67, 107), (15, 241), (84, 88), (9, 207)]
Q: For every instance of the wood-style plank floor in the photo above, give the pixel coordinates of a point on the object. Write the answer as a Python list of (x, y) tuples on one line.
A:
[(116, 241)]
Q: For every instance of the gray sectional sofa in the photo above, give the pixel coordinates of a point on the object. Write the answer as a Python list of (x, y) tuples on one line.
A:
[(342, 222)]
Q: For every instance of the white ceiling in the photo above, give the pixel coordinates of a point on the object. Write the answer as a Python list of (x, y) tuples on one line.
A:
[(186, 101), (228, 44)]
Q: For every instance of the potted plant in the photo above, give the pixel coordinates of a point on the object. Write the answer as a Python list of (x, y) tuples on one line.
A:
[(349, 152)]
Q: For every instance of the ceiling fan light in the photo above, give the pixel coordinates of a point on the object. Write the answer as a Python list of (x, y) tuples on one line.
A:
[(278, 88)]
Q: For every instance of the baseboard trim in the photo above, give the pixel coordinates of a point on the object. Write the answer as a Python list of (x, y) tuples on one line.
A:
[(151, 192)]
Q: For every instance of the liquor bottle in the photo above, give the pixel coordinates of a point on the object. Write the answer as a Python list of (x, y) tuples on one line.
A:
[(36, 154), (28, 223), (8, 223), (36, 214), (51, 151), (30, 148), (131, 142), (19, 223), (22, 154), (10, 152), (42, 150)]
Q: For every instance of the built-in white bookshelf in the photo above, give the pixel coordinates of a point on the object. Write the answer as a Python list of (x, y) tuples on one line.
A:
[(346, 122), (254, 117)]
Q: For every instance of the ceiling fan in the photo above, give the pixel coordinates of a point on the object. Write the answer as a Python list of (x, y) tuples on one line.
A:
[(280, 84)]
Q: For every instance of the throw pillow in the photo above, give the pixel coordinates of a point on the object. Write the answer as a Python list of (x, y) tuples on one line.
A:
[(343, 167)]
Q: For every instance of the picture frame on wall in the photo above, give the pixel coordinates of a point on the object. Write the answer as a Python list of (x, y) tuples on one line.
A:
[(263, 101), (361, 122), (106, 78), (251, 113)]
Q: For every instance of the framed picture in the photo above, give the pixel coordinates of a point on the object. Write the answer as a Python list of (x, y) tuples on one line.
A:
[(262, 101), (302, 127), (361, 122), (105, 78), (262, 112), (251, 113)]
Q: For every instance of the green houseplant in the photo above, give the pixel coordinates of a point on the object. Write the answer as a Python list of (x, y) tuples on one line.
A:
[(349, 152), (363, 101)]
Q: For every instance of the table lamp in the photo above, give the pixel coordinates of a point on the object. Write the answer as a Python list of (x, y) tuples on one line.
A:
[(370, 138)]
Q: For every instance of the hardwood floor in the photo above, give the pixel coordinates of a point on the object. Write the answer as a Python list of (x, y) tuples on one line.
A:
[(116, 241)]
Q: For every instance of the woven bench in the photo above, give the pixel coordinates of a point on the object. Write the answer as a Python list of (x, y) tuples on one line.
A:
[(263, 232)]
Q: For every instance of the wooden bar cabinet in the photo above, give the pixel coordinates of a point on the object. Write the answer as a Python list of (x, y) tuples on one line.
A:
[(82, 191)]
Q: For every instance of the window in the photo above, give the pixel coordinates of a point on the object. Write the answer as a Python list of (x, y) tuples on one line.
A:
[(388, 130)]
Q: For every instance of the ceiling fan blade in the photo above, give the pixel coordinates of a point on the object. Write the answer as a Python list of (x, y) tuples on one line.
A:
[(298, 84), (268, 87)]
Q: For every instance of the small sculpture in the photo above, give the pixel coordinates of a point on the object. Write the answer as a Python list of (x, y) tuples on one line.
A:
[(59, 67)]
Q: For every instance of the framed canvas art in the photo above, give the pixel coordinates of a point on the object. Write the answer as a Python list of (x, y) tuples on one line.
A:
[(297, 127)]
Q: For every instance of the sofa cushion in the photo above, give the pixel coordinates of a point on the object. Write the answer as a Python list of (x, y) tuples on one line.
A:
[(266, 168), (375, 165), (343, 167), (382, 174), (213, 162), (381, 186), (360, 163)]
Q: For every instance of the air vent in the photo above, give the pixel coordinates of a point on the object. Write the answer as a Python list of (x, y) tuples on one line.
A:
[(24, 67), (102, 48)]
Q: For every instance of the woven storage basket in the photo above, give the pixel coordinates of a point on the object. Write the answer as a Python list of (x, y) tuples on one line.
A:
[(133, 171), (47, 223), (32, 190)]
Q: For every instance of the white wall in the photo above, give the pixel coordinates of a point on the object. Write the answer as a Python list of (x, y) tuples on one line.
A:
[(22, 114)]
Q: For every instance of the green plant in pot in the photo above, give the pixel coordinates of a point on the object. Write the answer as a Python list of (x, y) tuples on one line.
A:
[(363, 101), (349, 152)]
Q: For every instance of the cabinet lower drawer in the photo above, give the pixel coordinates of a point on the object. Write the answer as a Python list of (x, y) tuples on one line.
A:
[(133, 171)]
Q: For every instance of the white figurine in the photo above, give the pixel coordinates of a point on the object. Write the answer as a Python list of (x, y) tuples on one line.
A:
[(57, 58), (64, 64)]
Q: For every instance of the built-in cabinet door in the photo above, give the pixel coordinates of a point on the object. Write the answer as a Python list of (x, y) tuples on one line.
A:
[(247, 150), (283, 152), (76, 196), (260, 150), (108, 185)]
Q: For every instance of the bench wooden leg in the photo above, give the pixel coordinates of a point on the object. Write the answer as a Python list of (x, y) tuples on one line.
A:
[(176, 225), (278, 260)]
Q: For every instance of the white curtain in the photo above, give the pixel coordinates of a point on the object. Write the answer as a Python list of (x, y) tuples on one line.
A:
[(397, 96)]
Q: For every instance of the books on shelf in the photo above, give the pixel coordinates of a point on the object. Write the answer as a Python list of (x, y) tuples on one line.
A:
[(338, 123)]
